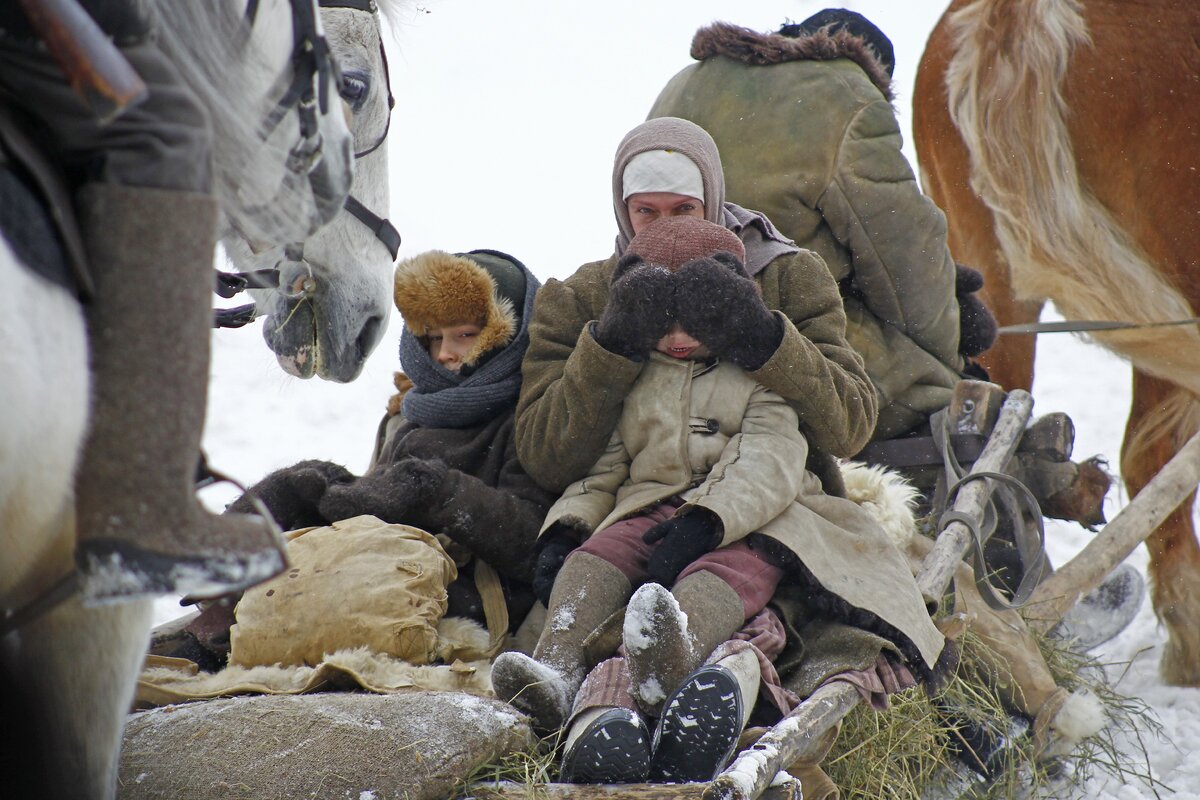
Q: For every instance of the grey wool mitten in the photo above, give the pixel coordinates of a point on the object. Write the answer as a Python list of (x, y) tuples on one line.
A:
[(293, 494), (719, 304), (637, 314), (392, 494)]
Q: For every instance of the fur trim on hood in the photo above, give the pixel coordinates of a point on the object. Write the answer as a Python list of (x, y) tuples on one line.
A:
[(437, 289), (760, 49)]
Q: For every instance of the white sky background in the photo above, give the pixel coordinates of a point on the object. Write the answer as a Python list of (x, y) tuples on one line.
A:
[(507, 117)]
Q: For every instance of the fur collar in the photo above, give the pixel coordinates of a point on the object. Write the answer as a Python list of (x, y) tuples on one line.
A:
[(759, 49)]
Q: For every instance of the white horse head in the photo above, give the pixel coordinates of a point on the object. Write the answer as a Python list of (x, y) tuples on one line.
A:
[(333, 300)]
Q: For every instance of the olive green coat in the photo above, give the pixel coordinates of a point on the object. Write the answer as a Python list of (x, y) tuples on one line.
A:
[(573, 389), (749, 471), (808, 137)]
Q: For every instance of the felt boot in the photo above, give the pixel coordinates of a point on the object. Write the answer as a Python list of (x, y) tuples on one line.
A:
[(606, 745), (669, 634), (141, 529), (587, 591)]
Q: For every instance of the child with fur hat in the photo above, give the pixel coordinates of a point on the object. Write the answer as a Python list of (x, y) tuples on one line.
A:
[(445, 457), (702, 488)]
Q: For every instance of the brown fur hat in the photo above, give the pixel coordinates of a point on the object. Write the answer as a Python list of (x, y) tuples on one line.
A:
[(437, 289), (671, 242)]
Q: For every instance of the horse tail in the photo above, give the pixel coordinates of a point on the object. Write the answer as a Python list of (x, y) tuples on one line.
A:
[(1176, 419), (1005, 89)]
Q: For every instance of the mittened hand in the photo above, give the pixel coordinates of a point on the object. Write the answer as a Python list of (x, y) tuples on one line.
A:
[(389, 494), (681, 540), (720, 306), (637, 314), (976, 325), (293, 494), (553, 548)]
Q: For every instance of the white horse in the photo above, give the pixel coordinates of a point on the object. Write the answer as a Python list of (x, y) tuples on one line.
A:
[(333, 299), (74, 665)]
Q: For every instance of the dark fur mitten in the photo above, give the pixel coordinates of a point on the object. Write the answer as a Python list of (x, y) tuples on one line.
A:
[(719, 305), (976, 325), (389, 494), (293, 494), (553, 548), (681, 540), (637, 314)]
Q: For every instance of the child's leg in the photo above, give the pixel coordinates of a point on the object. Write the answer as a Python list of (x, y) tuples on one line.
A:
[(621, 545), (587, 591)]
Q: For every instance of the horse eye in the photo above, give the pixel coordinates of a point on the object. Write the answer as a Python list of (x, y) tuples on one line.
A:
[(354, 88)]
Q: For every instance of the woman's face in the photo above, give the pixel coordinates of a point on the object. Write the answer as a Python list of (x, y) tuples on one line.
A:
[(449, 345), (645, 207)]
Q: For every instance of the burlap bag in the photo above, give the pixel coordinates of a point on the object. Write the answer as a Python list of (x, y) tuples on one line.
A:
[(356, 583)]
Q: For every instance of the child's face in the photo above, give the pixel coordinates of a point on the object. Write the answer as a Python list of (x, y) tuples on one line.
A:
[(449, 345), (678, 344)]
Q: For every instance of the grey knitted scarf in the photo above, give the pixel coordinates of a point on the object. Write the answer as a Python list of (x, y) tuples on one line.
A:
[(444, 399)]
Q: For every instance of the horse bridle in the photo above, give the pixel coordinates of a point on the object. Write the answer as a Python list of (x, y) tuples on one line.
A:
[(308, 43)]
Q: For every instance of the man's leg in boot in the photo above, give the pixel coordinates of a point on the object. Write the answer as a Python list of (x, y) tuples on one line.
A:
[(587, 591), (141, 528), (607, 740)]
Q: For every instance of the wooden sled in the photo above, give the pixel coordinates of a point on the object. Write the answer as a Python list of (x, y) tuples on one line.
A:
[(1001, 425)]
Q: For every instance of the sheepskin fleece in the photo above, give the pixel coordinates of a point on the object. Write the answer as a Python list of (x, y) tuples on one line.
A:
[(413, 746), (886, 496), (461, 647)]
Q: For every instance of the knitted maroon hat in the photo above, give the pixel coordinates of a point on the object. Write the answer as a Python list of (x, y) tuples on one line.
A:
[(671, 242)]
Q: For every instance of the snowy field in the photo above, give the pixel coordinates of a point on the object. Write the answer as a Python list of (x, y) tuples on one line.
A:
[(507, 117)]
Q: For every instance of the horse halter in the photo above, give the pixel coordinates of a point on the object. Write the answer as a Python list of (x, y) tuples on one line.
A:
[(311, 58), (231, 283)]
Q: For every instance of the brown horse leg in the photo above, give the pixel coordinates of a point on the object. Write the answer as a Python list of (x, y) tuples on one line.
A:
[(1174, 553)]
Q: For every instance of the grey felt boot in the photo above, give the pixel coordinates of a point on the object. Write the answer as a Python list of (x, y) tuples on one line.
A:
[(587, 591), (669, 634), (141, 529)]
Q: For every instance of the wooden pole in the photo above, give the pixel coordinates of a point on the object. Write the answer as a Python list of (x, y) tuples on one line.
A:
[(953, 542), (1056, 595), (627, 791), (756, 767)]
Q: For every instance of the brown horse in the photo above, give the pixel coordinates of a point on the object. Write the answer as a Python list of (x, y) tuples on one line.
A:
[(1062, 139)]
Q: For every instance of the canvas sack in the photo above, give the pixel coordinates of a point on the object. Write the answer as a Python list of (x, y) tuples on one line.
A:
[(360, 582)]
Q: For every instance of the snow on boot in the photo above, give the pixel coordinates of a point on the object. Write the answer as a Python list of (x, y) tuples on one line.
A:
[(668, 634), (587, 591), (1103, 612), (606, 745), (699, 727), (141, 530)]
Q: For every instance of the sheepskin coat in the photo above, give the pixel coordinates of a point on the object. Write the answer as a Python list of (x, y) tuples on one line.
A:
[(712, 435), (808, 136)]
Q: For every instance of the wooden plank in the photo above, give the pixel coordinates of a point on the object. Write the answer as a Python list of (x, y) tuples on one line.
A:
[(975, 407), (1051, 436), (628, 791), (1056, 595), (953, 542)]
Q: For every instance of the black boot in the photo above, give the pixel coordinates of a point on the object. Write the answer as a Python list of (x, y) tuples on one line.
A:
[(612, 746)]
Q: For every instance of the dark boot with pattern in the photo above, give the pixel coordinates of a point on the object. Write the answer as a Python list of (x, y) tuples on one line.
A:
[(141, 529), (669, 634), (587, 591), (606, 745)]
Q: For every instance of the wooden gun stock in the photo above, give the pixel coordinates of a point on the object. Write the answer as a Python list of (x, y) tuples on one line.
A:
[(93, 65)]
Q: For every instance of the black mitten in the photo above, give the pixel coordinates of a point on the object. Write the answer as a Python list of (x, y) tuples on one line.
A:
[(553, 548), (719, 305), (681, 541), (293, 494), (637, 314), (976, 325), (389, 494)]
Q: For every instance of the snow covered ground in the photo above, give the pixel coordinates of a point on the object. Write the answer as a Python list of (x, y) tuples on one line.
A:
[(507, 117)]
